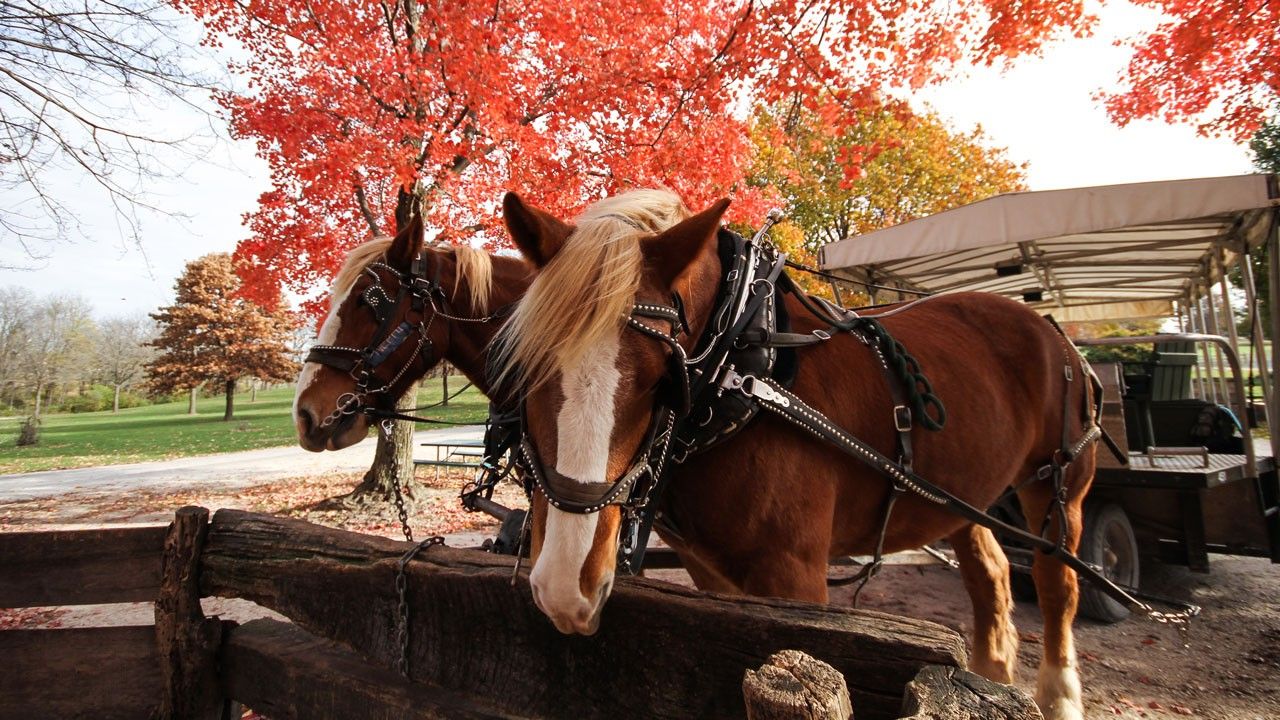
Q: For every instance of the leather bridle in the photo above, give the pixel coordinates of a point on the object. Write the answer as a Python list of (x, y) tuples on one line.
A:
[(634, 489), (425, 297)]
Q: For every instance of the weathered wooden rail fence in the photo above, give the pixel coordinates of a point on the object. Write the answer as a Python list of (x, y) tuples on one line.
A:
[(479, 647)]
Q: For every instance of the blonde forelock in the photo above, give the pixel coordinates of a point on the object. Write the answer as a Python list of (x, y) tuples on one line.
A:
[(585, 293)]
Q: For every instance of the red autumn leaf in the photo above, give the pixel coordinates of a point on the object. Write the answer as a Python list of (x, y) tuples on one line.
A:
[(363, 109)]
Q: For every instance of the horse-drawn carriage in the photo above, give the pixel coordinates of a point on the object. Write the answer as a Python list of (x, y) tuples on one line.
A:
[(1192, 473), (647, 333)]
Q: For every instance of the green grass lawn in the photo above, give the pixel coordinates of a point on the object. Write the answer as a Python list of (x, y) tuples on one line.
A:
[(162, 431)]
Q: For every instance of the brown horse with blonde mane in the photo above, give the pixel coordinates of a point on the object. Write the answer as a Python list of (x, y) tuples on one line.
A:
[(456, 324), (763, 513)]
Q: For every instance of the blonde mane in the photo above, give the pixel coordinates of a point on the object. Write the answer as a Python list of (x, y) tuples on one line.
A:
[(585, 293), (472, 266)]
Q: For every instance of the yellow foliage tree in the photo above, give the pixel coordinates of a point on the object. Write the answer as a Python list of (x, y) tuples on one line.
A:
[(847, 172)]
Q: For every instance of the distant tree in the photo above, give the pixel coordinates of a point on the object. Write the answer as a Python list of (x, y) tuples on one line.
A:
[(123, 349), (59, 343), (1265, 147), (78, 80), (1213, 63), (844, 173), (1116, 353), (213, 334), (16, 308)]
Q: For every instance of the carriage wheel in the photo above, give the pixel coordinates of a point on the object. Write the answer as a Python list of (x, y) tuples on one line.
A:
[(1108, 542)]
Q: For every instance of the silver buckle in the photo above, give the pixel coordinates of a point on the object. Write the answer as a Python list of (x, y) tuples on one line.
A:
[(753, 386), (902, 418)]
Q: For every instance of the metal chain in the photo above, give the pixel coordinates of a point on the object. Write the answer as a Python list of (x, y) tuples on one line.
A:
[(402, 593), (388, 427)]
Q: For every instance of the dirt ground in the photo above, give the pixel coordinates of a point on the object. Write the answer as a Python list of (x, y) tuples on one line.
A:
[(1135, 669), (1138, 669)]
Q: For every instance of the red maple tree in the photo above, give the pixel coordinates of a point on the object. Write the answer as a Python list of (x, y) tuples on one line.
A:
[(1215, 63), (368, 110)]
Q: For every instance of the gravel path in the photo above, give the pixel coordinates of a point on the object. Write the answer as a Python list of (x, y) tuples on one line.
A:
[(240, 469)]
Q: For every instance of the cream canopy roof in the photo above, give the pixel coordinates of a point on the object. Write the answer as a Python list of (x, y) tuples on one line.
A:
[(1097, 253)]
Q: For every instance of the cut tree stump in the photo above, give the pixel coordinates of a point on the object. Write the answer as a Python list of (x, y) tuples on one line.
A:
[(948, 693), (794, 686), (661, 651)]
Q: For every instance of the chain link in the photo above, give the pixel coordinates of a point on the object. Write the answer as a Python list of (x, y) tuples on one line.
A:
[(402, 597), (388, 428)]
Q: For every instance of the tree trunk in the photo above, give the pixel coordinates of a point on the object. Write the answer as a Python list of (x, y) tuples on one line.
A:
[(253, 390), (230, 389), (115, 401), (39, 397), (191, 401), (393, 458), (444, 384)]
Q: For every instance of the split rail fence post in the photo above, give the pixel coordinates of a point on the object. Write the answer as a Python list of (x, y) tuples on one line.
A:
[(187, 641)]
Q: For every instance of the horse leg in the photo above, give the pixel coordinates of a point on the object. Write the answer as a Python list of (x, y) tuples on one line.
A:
[(1058, 683), (985, 570)]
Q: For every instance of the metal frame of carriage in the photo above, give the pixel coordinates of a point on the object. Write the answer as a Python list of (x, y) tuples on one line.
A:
[(1125, 252)]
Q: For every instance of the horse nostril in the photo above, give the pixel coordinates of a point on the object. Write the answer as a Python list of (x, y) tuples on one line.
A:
[(306, 421)]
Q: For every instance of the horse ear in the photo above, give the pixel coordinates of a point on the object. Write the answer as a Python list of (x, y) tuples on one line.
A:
[(407, 244), (670, 252), (537, 234)]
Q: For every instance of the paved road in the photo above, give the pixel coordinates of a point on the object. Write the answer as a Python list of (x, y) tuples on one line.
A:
[(240, 469)]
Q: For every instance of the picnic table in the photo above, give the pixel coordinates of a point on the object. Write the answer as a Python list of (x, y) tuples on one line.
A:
[(461, 453)]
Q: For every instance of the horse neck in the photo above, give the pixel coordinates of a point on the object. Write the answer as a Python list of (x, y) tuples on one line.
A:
[(468, 347)]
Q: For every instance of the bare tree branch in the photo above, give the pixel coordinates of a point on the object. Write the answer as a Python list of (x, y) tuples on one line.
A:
[(80, 81)]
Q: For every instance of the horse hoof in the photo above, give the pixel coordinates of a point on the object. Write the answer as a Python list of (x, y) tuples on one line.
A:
[(1058, 693)]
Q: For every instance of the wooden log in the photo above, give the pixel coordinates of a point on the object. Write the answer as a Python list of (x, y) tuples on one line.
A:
[(794, 686), (662, 650), (80, 567), (285, 673), (67, 674), (948, 693), (187, 641)]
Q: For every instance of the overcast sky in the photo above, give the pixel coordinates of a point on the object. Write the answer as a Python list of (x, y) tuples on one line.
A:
[(1042, 110)]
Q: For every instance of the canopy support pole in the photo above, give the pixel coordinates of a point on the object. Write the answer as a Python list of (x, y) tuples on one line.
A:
[(1257, 341), (1197, 324), (1228, 317), (1273, 275), (1211, 311)]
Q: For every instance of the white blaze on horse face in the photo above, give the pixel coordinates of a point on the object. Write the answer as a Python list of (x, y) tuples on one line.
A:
[(585, 427), (327, 336)]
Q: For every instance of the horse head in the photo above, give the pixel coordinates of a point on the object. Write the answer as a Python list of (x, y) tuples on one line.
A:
[(388, 324), (594, 368)]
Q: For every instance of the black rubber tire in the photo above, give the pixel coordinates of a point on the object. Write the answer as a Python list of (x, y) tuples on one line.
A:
[(1021, 584), (1107, 540), (1023, 587)]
